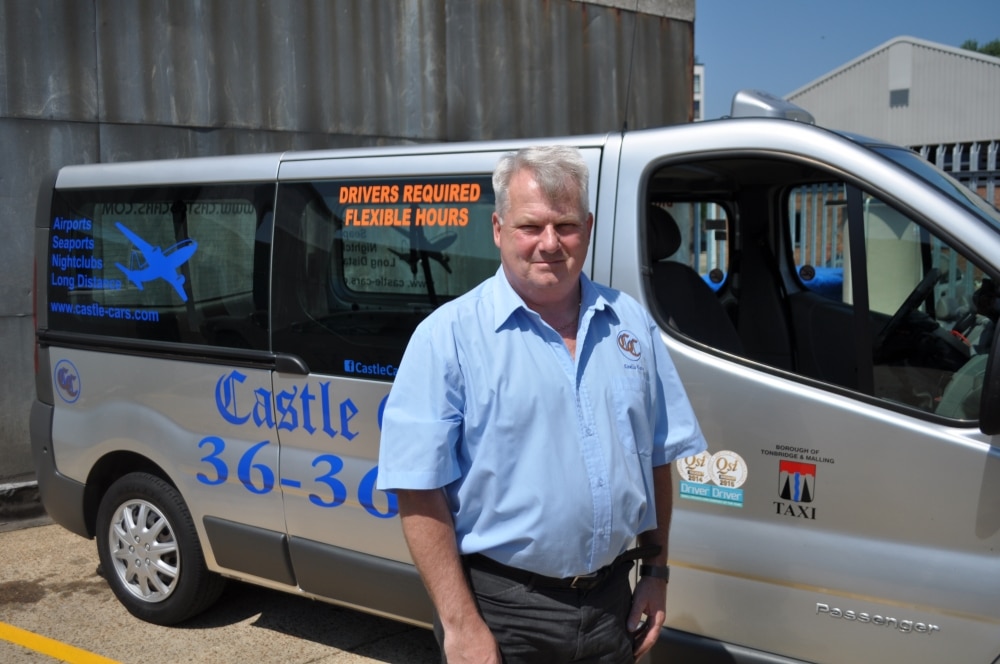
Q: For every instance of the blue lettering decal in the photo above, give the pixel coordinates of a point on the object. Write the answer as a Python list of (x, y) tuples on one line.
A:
[(337, 488), (692, 489), (259, 478), (285, 405), (221, 470), (381, 410), (711, 494), (366, 495), (225, 397), (347, 412), (246, 466), (727, 495), (307, 398), (262, 415), (324, 394)]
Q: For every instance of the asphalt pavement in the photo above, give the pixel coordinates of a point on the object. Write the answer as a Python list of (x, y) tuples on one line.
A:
[(55, 606)]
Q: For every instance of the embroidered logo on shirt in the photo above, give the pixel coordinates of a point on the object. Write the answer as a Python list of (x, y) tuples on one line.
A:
[(628, 344)]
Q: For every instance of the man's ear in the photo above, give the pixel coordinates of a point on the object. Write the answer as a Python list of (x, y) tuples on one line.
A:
[(496, 229)]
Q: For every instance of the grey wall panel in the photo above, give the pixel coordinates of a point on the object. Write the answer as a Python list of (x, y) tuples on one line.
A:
[(339, 66), (17, 389), (33, 149), (138, 142), (47, 60), (446, 70), (511, 73)]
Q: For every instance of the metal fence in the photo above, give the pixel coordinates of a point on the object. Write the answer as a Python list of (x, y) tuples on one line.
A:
[(973, 164)]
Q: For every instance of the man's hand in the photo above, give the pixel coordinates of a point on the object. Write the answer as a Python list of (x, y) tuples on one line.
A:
[(649, 600), (473, 644), (430, 536)]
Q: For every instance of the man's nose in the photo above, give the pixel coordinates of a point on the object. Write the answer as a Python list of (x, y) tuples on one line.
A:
[(550, 238)]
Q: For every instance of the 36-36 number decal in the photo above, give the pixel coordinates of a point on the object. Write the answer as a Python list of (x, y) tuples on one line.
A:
[(259, 478)]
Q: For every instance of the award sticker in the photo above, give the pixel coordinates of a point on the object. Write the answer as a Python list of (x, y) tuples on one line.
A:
[(728, 469), (695, 468)]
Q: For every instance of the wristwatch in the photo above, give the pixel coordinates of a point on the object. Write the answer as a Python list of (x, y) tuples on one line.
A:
[(656, 571)]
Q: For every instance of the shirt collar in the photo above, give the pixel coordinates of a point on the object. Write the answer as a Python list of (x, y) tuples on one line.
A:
[(506, 301)]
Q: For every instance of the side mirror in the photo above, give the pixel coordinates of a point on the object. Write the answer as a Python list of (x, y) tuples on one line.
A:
[(989, 403)]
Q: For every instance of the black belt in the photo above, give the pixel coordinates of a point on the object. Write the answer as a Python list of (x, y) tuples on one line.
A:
[(579, 582)]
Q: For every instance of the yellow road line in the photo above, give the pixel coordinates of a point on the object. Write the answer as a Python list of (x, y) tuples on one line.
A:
[(50, 647)]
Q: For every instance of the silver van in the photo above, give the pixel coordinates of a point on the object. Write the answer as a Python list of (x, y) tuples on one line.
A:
[(216, 338)]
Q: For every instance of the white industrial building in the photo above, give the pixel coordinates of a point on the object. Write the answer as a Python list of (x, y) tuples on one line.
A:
[(940, 100)]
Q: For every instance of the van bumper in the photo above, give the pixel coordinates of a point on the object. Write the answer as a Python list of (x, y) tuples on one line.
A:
[(61, 496)]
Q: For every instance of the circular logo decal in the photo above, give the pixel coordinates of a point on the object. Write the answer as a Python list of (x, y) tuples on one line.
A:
[(695, 468), (628, 344), (728, 469), (67, 380)]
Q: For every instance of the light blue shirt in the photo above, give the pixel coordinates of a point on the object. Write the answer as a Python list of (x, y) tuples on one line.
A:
[(546, 460)]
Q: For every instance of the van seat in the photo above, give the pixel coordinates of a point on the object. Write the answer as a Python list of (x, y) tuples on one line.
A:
[(683, 297)]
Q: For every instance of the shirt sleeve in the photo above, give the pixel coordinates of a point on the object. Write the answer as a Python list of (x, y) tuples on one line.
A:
[(422, 420), (677, 433)]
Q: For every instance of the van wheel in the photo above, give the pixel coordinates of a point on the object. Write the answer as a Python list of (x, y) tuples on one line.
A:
[(150, 553)]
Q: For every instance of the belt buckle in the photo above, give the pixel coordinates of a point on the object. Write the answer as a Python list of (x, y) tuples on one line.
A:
[(582, 577)]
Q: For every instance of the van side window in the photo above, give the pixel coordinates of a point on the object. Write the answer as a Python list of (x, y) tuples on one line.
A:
[(359, 263), (689, 264), (893, 313), (929, 338), (172, 264)]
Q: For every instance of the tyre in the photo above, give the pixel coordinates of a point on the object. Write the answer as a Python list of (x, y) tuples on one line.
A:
[(150, 553)]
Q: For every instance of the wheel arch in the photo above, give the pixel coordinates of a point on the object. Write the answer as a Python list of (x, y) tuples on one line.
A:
[(109, 469)]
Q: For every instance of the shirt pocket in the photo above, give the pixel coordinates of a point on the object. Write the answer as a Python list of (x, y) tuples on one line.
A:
[(629, 399)]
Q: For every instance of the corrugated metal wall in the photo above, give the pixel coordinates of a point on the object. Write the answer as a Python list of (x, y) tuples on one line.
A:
[(113, 80)]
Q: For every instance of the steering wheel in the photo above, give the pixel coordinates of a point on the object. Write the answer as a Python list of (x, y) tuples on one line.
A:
[(912, 301)]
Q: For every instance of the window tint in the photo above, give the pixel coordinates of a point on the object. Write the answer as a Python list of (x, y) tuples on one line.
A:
[(813, 277), (817, 215), (930, 339), (358, 264), (927, 338), (183, 264), (689, 262)]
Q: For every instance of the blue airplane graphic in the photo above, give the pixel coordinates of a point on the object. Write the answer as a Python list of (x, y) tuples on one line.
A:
[(156, 263)]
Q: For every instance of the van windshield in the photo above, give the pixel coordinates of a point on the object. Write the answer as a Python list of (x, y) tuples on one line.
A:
[(942, 182)]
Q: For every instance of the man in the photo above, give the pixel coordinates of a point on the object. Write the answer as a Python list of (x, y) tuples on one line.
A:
[(528, 437)]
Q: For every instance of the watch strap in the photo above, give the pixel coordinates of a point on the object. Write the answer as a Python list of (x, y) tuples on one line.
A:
[(655, 571)]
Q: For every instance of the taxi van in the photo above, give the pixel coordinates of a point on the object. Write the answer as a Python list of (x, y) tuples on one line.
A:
[(216, 338)]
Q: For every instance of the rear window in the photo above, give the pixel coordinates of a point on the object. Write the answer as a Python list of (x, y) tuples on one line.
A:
[(172, 264)]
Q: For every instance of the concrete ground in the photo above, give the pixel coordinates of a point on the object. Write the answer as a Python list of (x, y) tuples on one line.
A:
[(50, 587)]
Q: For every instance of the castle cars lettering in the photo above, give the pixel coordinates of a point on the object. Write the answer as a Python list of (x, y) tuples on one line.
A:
[(905, 626), (291, 410)]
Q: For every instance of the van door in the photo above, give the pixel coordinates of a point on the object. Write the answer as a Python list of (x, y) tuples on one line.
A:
[(847, 507), (365, 248)]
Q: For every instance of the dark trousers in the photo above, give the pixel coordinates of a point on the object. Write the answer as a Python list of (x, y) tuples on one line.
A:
[(547, 625)]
